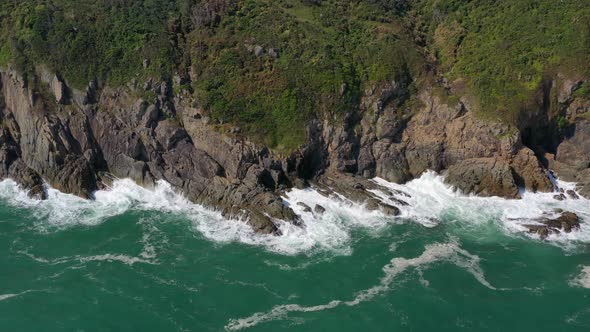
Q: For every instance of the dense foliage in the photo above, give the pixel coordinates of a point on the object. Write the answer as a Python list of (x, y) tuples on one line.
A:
[(506, 48), (271, 65)]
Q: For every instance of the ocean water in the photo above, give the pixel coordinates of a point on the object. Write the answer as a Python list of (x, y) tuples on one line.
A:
[(148, 260)]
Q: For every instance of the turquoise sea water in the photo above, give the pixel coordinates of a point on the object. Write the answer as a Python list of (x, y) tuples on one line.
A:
[(147, 260)]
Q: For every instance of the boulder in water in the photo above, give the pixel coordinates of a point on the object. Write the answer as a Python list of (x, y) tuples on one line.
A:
[(319, 209), (572, 194), (375, 204), (566, 222), (305, 207)]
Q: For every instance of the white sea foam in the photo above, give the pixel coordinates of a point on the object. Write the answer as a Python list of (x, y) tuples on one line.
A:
[(9, 296), (449, 252), (433, 201), (583, 279), (330, 232), (108, 257)]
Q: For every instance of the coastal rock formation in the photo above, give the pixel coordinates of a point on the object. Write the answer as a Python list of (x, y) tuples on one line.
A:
[(566, 222), (482, 157), (73, 143)]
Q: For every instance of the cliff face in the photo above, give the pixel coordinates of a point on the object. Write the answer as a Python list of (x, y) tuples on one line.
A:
[(74, 139)]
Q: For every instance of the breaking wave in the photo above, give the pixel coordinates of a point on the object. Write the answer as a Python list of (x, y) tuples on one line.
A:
[(431, 202)]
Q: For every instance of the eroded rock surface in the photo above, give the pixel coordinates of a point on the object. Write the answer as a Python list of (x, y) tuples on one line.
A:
[(566, 222), (74, 140)]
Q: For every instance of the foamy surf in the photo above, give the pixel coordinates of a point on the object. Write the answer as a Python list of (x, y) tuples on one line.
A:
[(583, 279), (433, 201), (329, 232), (440, 252)]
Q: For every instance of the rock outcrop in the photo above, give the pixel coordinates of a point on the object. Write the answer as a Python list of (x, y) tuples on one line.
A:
[(566, 222), (74, 140), (398, 144)]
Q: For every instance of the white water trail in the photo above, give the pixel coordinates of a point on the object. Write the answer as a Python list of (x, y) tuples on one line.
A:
[(4, 297), (439, 252)]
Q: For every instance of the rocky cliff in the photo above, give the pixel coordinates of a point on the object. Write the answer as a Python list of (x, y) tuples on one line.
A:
[(77, 140)]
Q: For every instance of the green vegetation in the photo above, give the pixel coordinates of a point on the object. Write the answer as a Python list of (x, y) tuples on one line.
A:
[(325, 54), (270, 66), (506, 48), (87, 39), (583, 91)]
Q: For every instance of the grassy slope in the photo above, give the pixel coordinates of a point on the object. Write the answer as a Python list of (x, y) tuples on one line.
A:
[(503, 49)]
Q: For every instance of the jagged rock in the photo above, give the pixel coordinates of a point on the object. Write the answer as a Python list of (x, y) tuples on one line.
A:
[(572, 194), (262, 224), (169, 134), (398, 201), (300, 183), (483, 176), (319, 209), (374, 204), (305, 207), (77, 177), (530, 173), (566, 222), (572, 160), (151, 116), (170, 139), (28, 179), (58, 89), (559, 197)]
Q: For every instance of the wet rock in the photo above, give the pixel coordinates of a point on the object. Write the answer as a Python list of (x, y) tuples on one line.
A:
[(566, 222), (305, 207), (300, 183), (529, 172), (374, 204), (559, 197), (572, 194), (398, 201), (319, 209), (262, 224), (484, 176), (389, 209)]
